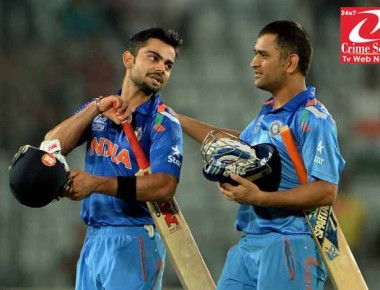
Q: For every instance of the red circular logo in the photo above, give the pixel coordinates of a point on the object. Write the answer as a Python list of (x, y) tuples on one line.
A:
[(48, 159)]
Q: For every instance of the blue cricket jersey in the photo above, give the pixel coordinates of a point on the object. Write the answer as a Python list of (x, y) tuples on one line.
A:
[(315, 133), (108, 153)]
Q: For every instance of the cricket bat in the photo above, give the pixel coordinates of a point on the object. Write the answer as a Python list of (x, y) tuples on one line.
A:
[(328, 236), (183, 251)]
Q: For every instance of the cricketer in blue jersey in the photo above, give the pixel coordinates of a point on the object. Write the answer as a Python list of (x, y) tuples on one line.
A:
[(277, 250), (122, 249)]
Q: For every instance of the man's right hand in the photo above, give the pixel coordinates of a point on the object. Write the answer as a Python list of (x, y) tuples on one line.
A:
[(115, 108)]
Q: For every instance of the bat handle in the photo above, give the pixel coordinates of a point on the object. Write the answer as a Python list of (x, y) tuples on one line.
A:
[(294, 155), (135, 145)]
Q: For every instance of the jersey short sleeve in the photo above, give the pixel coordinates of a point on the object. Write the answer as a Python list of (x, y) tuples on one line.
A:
[(320, 148), (166, 151)]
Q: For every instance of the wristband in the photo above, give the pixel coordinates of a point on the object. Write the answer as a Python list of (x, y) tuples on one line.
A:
[(126, 188), (97, 103)]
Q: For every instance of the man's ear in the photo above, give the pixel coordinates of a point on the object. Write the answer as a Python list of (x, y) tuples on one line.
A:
[(292, 63), (128, 59)]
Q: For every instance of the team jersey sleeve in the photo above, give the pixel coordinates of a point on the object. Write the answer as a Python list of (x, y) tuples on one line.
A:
[(166, 152), (320, 148), (87, 133), (245, 134)]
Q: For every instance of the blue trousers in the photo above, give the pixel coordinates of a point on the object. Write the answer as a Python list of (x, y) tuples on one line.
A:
[(121, 258), (273, 262)]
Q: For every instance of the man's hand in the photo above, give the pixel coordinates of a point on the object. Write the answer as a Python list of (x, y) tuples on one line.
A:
[(246, 192), (115, 108), (81, 186)]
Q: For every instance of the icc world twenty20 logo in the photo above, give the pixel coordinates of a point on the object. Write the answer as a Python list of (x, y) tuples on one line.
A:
[(360, 35)]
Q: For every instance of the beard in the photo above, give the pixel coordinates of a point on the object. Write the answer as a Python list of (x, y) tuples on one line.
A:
[(148, 89), (144, 85)]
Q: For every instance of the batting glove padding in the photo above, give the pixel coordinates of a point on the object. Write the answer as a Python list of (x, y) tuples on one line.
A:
[(224, 154)]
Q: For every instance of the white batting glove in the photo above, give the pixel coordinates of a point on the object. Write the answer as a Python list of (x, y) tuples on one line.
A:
[(54, 147)]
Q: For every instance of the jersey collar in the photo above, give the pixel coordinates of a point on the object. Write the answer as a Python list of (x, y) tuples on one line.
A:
[(294, 103), (148, 106)]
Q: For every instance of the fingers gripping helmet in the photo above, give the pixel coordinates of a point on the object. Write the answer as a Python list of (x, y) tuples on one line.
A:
[(224, 154), (36, 177)]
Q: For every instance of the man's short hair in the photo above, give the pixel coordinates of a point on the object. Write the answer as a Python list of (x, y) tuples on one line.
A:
[(168, 36), (292, 38)]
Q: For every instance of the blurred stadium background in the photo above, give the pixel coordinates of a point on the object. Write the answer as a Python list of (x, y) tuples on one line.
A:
[(54, 55)]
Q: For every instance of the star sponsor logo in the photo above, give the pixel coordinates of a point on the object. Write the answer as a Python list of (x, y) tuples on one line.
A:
[(360, 35), (176, 151), (175, 157), (319, 159), (320, 147)]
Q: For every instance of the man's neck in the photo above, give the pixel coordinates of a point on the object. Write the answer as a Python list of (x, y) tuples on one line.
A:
[(287, 93), (133, 95)]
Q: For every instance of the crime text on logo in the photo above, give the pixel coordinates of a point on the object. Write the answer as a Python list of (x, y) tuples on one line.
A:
[(360, 35)]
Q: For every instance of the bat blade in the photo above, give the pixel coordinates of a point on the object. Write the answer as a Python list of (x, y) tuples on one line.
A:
[(183, 251), (332, 245)]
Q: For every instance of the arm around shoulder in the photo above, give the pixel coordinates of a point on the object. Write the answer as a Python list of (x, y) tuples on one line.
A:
[(198, 130)]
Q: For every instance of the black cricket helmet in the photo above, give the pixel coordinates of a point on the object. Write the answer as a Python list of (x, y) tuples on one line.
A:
[(224, 154), (36, 177)]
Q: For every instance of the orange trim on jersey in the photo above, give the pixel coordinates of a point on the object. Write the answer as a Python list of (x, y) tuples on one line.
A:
[(311, 103), (306, 127), (294, 155), (269, 102), (159, 128), (161, 108)]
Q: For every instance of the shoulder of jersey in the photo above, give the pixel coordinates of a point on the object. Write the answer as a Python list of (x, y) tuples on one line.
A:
[(317, 109), (163, 117), (314, 112)]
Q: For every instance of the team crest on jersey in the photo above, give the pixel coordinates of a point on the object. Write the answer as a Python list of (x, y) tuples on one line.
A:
[(99, 123), (274, 128), (138, 133)]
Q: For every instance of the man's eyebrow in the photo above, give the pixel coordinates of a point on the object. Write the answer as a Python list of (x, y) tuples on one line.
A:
[(260, 51), (160, 56), (155, 53)]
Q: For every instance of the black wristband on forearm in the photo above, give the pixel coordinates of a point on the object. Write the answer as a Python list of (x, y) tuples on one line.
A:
[(126, 188)]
